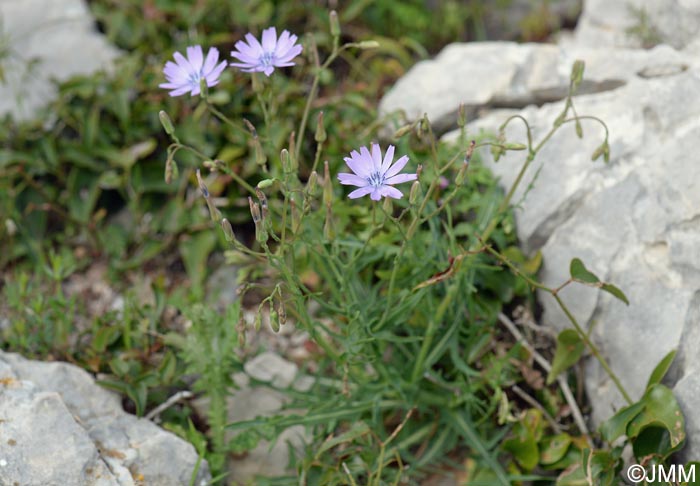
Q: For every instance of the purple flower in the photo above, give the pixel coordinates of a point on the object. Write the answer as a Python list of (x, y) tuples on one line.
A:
[(373, 175), (265, 57), (185, 75)]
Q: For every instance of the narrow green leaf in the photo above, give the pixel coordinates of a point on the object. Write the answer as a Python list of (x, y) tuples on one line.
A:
[(579, 272), (611, 289), (661, 369), (568, 351)]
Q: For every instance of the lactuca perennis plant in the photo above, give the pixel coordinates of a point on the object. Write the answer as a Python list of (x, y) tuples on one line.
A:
[(401, 299)]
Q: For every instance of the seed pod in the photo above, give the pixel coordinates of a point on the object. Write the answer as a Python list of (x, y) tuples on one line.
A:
[(254, 210), (284, 159), (281, 312), (296, 219)]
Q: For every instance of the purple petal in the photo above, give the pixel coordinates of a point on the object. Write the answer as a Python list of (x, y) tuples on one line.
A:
[(195, 56), (246, 50), (398, 179), (366, 159), (376, 194), (213, 77), (388, 158), (376, 157), (358, 165), (388, 191), (183, 63), (396, 168), (210, 62), (352, 179), (253, 43), (362, 191), (180, 91), (269, 39), (268, 70)]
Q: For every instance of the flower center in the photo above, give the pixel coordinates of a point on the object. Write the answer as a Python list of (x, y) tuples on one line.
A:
[(376, 179), (267, 58), (195, 77)]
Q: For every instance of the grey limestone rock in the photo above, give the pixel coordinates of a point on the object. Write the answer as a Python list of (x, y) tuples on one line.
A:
[(59, 428), (634, 221), (46, 40)]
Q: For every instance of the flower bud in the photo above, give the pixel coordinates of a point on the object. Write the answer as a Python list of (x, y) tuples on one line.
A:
[(263, 202), (296, 220), (328, 231), (202, 185), (387, 206), (284, 159), (282, 313), (403, 130), (327, 184), (254, 210), (461, 116), (461, 175), (171, 170), (368, 44), (577, 74), (320, 135), (265, 183), (214, 213), (260, 157), (415, 192), (256, 81), (228, 230), (258, 321), (274, 320), (166, 122), (579, 129), (515, 146), (419, 171), (311, 183), (203, 88), (335, 24), (293, 162)]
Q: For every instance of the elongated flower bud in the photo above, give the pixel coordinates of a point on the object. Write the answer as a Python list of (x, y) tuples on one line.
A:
[(415, 192), (461, 116), (403, 131), (228, 230), (254, 210), (263, 202), (274, 320), (284, 159), (327, 184), (202, 185), (368, 44), (328, 231), (293, 162), (387, 206), (335, 24), (320, 135), (311, 183), (296, 219), (166, 122)]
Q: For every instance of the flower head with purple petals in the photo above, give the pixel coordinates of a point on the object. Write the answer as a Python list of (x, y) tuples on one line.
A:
[(265, 57), (373, 175), (186, 74)]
